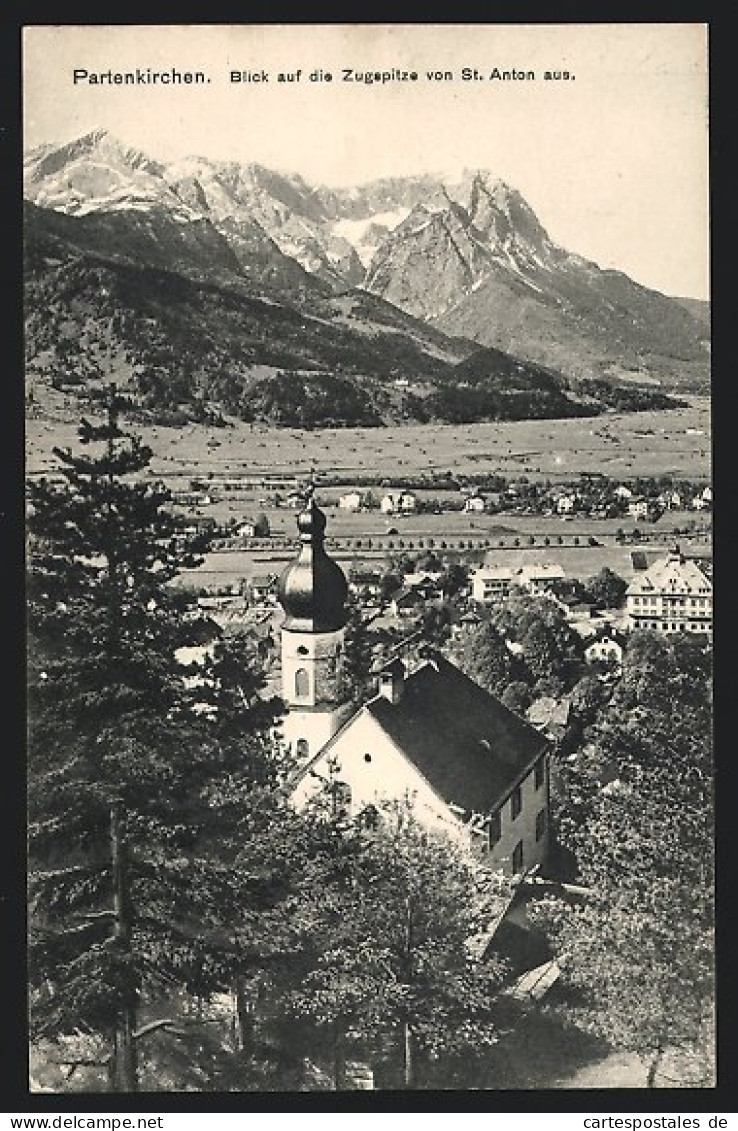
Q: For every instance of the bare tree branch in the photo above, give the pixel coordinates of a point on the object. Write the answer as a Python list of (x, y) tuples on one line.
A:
[(82, 1062), (169, 1023)]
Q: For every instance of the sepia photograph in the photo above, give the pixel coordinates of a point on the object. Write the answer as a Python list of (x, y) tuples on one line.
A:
[(369, 499)]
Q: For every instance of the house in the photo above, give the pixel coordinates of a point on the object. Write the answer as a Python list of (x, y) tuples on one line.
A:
[(669, 500), (491, 582), (365, 583), (474, 504), (398, 502), (703, 500), (672, 595), (638, 508), (472, 768), (253, 528), (352, 501), (406, 602), (215, 601), (467, 620), (430, 737), (422, 577), (623, 492), (412, 599), (605, 644), (580, 611), (261, 588), (540, 579), (566, 504)]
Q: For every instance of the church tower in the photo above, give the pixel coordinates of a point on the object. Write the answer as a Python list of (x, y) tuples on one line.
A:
[(312, 591)]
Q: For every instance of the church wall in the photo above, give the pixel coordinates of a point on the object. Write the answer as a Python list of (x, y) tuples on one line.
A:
[(310, 670), (522, 827), (388, 776), (312, 729)]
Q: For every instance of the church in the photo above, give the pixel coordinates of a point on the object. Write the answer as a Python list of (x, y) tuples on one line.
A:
[(431, 736)]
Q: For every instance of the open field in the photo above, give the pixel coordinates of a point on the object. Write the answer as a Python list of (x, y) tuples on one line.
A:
[(231, 567), (621, 445)]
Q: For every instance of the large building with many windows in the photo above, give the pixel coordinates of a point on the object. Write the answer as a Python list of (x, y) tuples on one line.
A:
[(430, 737), (491, 583), (672, 595)]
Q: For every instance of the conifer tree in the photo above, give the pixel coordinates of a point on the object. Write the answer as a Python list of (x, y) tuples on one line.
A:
[(131, 788)]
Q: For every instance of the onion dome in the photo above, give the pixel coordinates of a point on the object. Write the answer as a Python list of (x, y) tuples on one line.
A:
[(313, 589)]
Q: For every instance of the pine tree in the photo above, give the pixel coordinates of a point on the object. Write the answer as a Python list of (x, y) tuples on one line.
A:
[(130, 787)]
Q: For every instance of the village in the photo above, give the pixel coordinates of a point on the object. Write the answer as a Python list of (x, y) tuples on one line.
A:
[(484, 759), (407, 587), (453, 651), (369, 613), (591, 496)]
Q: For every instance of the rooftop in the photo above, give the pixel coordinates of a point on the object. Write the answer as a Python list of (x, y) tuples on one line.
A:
[(607, 632), (674, 572), (466, 743), (312, 589)]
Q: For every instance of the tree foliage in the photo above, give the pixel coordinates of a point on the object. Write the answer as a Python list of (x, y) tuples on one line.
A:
[(131, 784), (354, 677), (378, 943), (551, 650), (639, 821), (482, 653), (606, 589)]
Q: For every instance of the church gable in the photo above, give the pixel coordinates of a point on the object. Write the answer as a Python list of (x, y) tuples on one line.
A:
[(434, 734), (362, 766)]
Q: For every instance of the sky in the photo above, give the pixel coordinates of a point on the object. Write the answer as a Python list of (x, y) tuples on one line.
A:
[(613, 161)]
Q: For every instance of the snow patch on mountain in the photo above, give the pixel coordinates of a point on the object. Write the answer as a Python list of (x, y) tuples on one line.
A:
[(359, 232)]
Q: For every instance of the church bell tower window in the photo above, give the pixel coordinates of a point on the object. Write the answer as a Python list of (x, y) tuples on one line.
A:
[(302, 683)]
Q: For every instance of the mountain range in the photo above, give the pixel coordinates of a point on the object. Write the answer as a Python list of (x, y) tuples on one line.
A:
[(200, 276)]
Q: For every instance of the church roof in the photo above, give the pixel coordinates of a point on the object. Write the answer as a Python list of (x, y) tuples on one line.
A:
[(469, 747), (313, 588)]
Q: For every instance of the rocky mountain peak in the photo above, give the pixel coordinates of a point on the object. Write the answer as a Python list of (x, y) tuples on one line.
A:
[(467, 254), (502, 216), (99, 142)]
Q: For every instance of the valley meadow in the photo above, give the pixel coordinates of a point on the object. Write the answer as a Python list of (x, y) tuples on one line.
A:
[(620, 445)]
